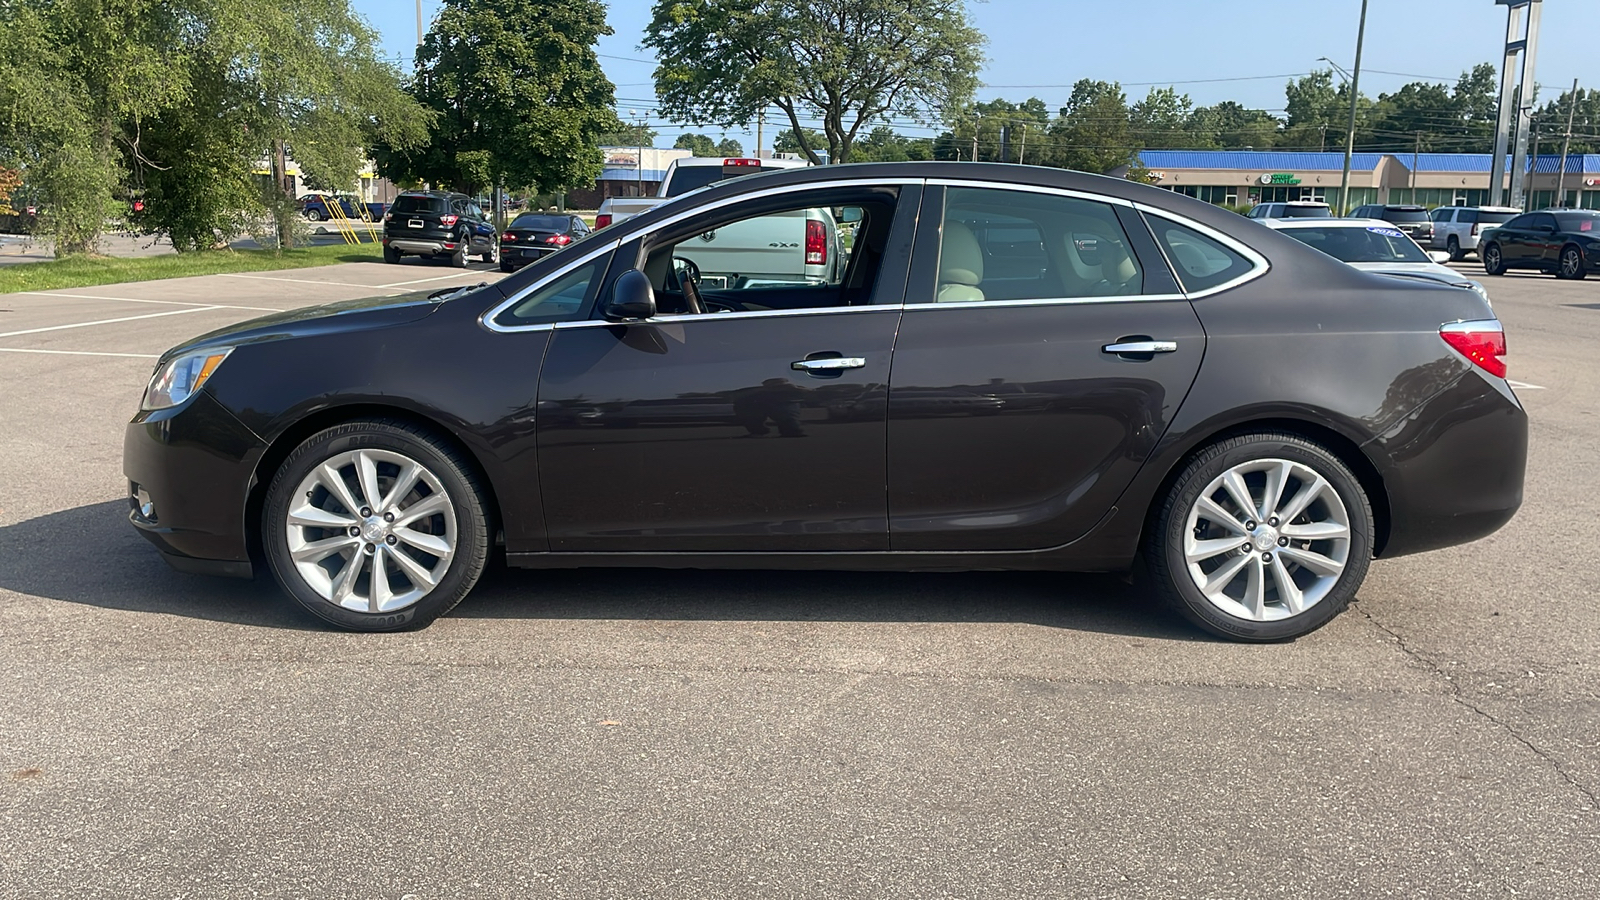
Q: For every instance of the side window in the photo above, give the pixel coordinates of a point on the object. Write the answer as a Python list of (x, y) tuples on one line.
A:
[(1201, 262), (1544, 221), (1442, 214), (1518, 223), (1467, 216), (1018, 245), (559, 300)]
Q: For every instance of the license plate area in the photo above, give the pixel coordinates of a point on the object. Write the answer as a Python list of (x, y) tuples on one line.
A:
[(414, 223)]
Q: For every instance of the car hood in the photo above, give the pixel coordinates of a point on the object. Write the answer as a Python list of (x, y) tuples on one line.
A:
[(1416, 270), (345, 315)]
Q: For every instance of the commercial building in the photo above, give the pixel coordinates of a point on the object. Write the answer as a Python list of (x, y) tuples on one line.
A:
[(624, 176), (1247, 177)]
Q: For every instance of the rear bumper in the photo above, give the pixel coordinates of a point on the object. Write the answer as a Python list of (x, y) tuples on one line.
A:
[(419, 245)]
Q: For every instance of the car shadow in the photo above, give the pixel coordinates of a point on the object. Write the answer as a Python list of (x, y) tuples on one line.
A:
[(92, 556)]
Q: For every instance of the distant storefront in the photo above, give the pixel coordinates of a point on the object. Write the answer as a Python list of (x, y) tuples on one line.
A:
[(1247, 177), (624, 176)]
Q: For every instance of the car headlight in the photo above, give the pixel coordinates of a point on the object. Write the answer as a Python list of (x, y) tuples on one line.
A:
[(181, 377)]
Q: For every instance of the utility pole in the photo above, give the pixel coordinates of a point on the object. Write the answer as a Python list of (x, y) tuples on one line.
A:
[(761, 120), (1411, 181), (1023, 147), (1566, 144), (1355, 94), (419, 23), (976, 119), (1516, 98)]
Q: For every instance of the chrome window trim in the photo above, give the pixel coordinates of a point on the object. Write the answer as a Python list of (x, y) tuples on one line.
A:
[(772, 192), (720, 317), (1031, 189), (1258, 263), (487, 319), (1043, 301)]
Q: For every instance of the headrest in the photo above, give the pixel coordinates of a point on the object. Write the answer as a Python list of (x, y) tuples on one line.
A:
[(960, 257)]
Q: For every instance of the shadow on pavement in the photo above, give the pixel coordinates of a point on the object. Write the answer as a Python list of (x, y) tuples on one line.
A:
[(91, 555)]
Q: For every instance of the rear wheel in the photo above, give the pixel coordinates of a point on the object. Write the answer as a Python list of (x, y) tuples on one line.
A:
[(391, 255), (375, 525), (314, 215), (1454, 246), (1571, 264), (492, 255), (458, 256), (1263, 537), (1492, 261)]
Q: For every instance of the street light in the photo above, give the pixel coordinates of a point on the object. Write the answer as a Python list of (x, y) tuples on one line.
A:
[(639, 168)]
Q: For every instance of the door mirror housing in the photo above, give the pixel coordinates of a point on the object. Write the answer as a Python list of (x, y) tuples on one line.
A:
[(1439, 256), (632, 297)]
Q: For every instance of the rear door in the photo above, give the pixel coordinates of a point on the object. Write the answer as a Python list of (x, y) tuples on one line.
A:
[(1028, 389)]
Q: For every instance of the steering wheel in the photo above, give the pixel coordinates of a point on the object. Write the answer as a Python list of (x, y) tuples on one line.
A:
[(691, 288)]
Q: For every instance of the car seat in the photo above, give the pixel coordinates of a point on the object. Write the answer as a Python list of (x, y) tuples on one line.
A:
[(960, 265)]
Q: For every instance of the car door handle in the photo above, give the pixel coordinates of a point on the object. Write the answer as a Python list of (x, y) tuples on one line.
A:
[(1141, 347), (827, 364)]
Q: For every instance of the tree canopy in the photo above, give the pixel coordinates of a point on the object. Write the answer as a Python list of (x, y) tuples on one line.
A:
[(703, 145), (849, 64)]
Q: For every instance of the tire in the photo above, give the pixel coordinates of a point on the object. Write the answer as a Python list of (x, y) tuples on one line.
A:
[(1569, 266), (391, 255), (492, 255), (1453, 245), (459, 257), (314, 215), (1187, 542), (448, 545), (507, 267), (1493, 264)]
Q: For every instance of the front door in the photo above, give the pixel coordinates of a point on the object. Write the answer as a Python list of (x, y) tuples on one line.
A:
[(1035, 375), (746, 417)]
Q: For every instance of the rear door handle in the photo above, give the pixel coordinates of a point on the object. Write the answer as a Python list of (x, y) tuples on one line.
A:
[(829, 363), (1145, 347)]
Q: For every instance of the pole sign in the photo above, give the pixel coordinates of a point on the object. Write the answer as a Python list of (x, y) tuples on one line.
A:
[(1279, 178)]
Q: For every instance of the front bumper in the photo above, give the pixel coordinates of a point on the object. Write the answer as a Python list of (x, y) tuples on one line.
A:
[(190, 471)]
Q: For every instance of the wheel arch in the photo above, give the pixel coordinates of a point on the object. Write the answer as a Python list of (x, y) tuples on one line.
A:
[(285, 443)]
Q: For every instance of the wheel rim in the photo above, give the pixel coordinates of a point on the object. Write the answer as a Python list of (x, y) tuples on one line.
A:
[(1491, 259), (1267, 539), (1569, 262), (371, 530)]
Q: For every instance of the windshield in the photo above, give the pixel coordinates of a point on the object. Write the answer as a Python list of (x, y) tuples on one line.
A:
[(412, 203), (1405, 215), (1358, 243), (542, 223), (1307, 212), (688, 178)]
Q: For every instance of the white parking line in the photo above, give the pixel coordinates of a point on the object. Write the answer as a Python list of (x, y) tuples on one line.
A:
[(424, 280), (294, 280), (81, 353), (1524, 386), (134, 300), (170, 312)]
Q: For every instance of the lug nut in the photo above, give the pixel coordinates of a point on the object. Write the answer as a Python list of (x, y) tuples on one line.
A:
[(390, 540), (1247, 548), (1250, 525), (388, 517), (1283, 542), (1266, 557), (1273, 521), (354, 531), (372, 548), (365, 512)]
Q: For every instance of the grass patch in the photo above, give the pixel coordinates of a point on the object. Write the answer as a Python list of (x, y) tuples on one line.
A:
[(87, 271)]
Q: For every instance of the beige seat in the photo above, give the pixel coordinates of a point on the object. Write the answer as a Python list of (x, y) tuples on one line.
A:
[(1119, 275), (960, 265)]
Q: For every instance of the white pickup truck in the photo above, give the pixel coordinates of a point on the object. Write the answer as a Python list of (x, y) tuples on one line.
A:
[(795, 247)]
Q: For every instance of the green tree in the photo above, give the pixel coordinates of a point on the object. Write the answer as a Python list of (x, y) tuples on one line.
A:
[(622, 134), (518, 94), (1311, 105), (1552, 122), (1092, 133), (786, 142), (848, 63), (1161, 120), (729, 147), (698, 144), (1230, 126)]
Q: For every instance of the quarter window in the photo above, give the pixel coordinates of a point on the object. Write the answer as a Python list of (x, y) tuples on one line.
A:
[(1200, 262), (1019, 245), (559, 300)]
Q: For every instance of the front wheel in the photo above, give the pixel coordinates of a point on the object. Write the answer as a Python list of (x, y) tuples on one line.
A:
[(1492, 261), (1263, 537), (1453, 245), (1571, 265), (375, 525)]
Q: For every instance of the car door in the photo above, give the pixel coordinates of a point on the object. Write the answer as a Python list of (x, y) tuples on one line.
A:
[(1544, 241), (1022, 404), (747, 426)]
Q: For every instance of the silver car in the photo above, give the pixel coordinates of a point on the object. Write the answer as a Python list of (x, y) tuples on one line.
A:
[(1375, 245)]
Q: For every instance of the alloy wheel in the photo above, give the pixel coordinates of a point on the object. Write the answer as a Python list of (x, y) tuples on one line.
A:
[(1491, 260), (1571, 263), (1267, 539), (371, 530)]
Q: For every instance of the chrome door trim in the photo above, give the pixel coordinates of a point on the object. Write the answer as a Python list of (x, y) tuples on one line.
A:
[(1042, 301), (487, 319), (829, 364), (724, 317), (1141, 347), (1258, 263), (1030, 189)]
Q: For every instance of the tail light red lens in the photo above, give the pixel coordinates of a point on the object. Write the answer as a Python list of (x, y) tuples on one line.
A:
[(1482, 341), (602, 220), (742, 162), (816, 243), (559, 240), (508, 236), (1474, 229), (449, 219)]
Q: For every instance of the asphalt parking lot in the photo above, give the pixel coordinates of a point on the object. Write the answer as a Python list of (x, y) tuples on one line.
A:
[(677, 734)]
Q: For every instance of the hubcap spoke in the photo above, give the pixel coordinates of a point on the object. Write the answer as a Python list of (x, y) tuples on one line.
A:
[(1316, 562), (1203, 550), (1220, 578), (1316, 531), (317, 551), (316, 517), (427, 543), (345, 584), (1239, 492), (1288, 592), (419, 574), (380, 593), (427, 506), (1216, 515), (1302, 499), (1277, 479), (401, 487), (1255, 588), (367, 475), (329, 477)]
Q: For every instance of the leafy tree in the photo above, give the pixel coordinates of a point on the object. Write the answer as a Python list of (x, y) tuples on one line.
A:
[(1420, 114), (1161, 120), (698, 144), (1231, 126), (882, 144), (1311, 105), (1092, 133), (622, 134), (729, 147), (848, 63), (518, 94), (1552, 122), (786, 142), (10, 180)]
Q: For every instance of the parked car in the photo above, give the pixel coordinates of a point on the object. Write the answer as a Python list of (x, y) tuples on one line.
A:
[(1411, 219), (1294, 209), (318, 206), (1250, 418), (1375, 245), (438, 223), (533, 236), (683, 176), (1457, 229), (1562, 242)]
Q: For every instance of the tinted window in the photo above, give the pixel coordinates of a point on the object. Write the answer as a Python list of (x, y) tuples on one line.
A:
[(557, 301), (1367, 243), (1307, 212), (1467, 216), (1579, 222), (542, 223), (1405, 215), (688, 178), (1201, 263), (1486, 217), (1543, 221), (411, 203), (1443, 215), (1018, 245)]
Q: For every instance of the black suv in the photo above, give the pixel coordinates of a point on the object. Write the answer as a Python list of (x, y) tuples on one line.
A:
[(438, 223), (1413, 220)]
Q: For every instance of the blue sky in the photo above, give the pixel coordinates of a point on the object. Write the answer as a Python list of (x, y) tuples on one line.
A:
[(1040, 47)]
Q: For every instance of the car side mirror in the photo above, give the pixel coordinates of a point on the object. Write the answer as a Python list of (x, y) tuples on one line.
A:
[(632, 297), (848, 215), (1439, 256)]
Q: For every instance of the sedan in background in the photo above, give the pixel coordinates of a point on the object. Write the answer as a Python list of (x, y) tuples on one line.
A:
[(1375, 245), (533, 236), (1016, 368), (1562, 242)]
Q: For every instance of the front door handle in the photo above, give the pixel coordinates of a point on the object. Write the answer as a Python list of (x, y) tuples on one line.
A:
[(827, 364), (1143, 347)]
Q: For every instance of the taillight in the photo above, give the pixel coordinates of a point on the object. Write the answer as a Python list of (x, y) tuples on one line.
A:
[(1482, 341), (602, 220), (742, 162), (449, 219), (558, 239), (1474, 229), (816, 243), (508, 236)]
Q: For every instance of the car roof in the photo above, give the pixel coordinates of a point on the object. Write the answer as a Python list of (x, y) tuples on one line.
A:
[(723, 160), (1301, 202), (1325, 223), (1404, 206)]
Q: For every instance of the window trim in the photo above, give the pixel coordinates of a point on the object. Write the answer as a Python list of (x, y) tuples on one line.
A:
[(1259, 265), (487, 320)]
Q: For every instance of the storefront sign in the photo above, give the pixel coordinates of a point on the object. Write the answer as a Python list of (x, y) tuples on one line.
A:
[(622, 159), (1279, 178)]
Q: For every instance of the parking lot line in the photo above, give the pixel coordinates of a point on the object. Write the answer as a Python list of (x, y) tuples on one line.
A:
[(136, 300), (294, 280), (81, 353), (170, 312), (437, 278)]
